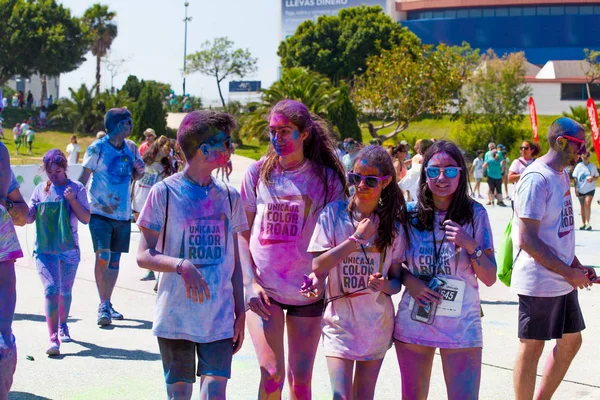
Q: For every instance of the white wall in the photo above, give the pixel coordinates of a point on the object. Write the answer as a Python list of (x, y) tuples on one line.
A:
[(547, 99)]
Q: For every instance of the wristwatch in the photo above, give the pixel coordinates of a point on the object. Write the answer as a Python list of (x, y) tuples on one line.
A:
[(8, 204), (476, 254)]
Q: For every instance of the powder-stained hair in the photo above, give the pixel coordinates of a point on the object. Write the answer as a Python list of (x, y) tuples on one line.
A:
[(113, 117), (562, 127), (56, 157), (199, 126), (461, 207), (393, 208), (319, 146)]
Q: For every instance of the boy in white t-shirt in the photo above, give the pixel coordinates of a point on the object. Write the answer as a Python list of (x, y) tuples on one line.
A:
[(189, 226), (546, 272)]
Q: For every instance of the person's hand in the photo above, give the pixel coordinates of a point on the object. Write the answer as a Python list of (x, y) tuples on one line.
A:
[(196, 287), (577, 278), (139, 166), (421, 293), (376, 282), (590, 272), (367, 228), (310, 287), (590, 179), (457, 235), (68, 194), (258, 300), (238, 331)]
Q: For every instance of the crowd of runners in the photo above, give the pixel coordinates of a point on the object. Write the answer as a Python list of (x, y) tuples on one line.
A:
[(313, 247)]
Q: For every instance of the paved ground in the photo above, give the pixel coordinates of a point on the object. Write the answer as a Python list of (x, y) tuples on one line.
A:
[(122, 362)]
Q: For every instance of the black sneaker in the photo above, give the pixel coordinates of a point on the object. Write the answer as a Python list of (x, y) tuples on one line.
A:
[(104, 317), (501, 204), (114, 314)]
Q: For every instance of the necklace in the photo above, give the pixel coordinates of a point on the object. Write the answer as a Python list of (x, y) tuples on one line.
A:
[(206, 188), (293, 167)]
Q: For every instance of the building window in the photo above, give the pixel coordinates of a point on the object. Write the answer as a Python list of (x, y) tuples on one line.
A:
[(578, 91), (489, 12), (462, 13), (475, 12), (571, 10), (543, 11), (529, 11), (586, 10), (516, 11)]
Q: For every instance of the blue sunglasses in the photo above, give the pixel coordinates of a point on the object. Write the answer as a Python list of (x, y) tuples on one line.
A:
[(449, 172)]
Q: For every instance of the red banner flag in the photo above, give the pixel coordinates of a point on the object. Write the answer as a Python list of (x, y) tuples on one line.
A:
[(593, 116), (533, 118)]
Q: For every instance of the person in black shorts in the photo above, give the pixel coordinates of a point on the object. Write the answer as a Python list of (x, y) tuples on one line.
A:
[(546, 273)]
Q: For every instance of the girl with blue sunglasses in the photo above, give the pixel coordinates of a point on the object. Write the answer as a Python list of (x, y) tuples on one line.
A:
[(450, 249)]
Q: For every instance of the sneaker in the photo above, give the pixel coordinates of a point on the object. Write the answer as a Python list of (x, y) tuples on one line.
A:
[(479, 196), (501, 204), (63, 333), (114, 314), (489, 203), (148, 277), (104, 315), (54, 347), (589, 228)]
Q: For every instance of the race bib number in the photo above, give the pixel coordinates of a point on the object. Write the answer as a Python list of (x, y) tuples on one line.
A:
[(452, 293), (283, 220), (356, 268), (205, 242), (149, 179)]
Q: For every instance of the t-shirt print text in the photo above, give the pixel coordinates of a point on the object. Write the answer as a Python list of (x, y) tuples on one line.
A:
[(204, 242), (283, 219), (566, 216), (356, 270)]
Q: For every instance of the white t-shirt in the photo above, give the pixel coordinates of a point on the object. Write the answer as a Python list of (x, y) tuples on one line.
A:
[(478, 168), (10, 249), (360, 325), (457, 322), (73, 150), (544, 194), (112, 171), (24, 127), (581, 173), (519, 165), (30, 135), (141, 189), (286, 215), (411, 182), (200, 228)]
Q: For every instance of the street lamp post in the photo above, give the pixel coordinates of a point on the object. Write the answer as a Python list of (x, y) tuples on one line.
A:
[(186, 4)]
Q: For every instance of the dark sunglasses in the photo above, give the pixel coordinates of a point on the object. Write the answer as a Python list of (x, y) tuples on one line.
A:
[(449, 172), (524, 147), (226, 142), (355, 179)]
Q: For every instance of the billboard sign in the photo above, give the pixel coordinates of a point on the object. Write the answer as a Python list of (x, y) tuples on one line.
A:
[(294, 12), (244, 86)]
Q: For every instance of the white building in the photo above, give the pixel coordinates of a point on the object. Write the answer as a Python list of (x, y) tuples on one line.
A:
[(34, 84)]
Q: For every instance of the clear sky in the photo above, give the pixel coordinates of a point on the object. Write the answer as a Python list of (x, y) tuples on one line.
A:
[(151, 34)]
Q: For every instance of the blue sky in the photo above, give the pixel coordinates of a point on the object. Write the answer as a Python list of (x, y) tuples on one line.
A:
[(151, 37)]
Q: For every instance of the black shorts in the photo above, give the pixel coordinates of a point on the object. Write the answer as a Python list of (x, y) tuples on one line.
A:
[(582, 195), (495, 185), (546, 318), (110, 234), (315, 309), (179, 359)]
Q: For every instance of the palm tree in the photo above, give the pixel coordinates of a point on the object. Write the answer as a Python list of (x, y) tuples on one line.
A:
[(79, 110), (102, 32), (311, 88)]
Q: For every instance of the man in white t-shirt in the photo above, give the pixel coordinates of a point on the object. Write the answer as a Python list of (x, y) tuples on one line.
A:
[(73, 150), (546, 272)]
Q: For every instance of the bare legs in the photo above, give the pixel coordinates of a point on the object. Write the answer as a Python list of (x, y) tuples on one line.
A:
[(106, 271), (586, 209), (211, 387), (462, 371), (8, 349), (554, 371), (347, 387), (303, 339)]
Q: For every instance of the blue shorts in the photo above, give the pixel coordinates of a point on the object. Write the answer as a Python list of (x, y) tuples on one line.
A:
[(110, 234), (179, 359)]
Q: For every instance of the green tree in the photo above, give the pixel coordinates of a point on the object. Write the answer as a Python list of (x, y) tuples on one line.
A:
[(591, 68), (339, 46), (343, 115), (496, 96), (133, 87), (311, 88), (39, 36), (102, 33), (219, 60), (79, 110), (403, 84), (148, 112)]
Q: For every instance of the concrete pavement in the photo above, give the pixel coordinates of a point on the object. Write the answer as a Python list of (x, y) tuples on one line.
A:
[(122, 361)]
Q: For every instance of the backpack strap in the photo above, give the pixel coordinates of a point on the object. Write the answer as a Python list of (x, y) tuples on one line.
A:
[(166, 219)]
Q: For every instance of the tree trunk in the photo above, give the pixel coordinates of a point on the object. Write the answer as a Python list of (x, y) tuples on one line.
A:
[(220, 94), (44, 80), (98, 60), (587, 86)]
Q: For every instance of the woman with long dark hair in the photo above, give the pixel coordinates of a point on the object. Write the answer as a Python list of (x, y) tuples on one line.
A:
[(284, 194), (359, 246), (450, 249)]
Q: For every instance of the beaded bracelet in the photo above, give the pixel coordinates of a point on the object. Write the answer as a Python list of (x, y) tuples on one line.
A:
[(356, 238)]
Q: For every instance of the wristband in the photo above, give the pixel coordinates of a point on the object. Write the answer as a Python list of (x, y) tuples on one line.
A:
[(178, 267), (356, 238)]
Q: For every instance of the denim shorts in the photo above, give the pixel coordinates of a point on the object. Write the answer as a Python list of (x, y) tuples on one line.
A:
[(110, 234), (179, 359)]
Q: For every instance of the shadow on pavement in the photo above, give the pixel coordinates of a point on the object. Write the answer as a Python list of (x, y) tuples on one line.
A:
[(25, 396), (500, 303), (116, 324), (37, 318), (109, 353)]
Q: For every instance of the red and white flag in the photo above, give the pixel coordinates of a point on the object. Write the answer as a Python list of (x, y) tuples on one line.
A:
[(593, 116), (533, 118)]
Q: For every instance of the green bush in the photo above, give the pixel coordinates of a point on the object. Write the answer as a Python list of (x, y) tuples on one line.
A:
[(148, 112)]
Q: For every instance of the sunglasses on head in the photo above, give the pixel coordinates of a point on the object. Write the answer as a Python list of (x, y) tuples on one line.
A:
[(581, 142), (449, 172), (371, 181)]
